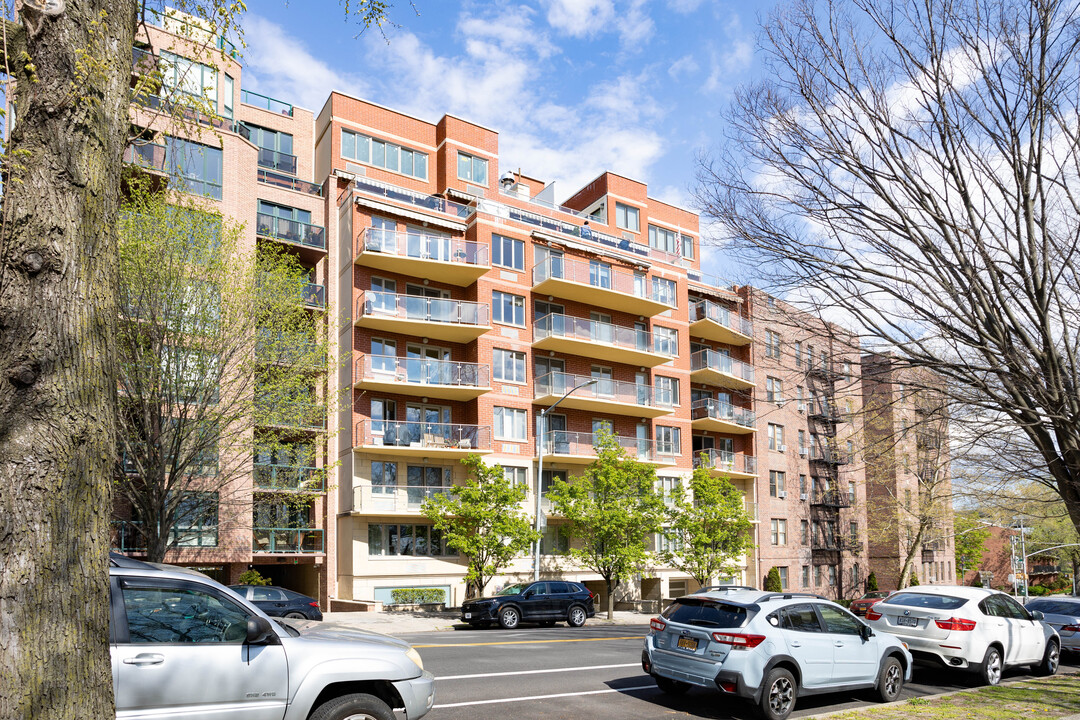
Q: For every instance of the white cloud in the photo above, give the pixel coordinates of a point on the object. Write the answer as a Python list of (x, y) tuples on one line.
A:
[(684, 7), (580, 18), (686, 65), (635, 26), (731, 62)]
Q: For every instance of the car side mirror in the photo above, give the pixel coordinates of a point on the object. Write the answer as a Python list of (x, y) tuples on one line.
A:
[(866, 632), (1036, 614), (526, 595), (259, 631)]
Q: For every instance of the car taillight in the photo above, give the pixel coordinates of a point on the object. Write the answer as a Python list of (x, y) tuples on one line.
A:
[(955, 624), (738, 640), (657, 624), (314, 604), (873, 615), (1070, 628)]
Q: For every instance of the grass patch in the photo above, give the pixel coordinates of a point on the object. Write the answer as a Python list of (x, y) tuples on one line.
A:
[(1045, 698)]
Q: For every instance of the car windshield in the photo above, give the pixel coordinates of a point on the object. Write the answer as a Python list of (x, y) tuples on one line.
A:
[(926, 600), (1055, 607), (705, 613), (514, 589), (879, 594)]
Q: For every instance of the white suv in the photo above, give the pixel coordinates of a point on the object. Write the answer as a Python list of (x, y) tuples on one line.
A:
[(968, 628), (770, 648)]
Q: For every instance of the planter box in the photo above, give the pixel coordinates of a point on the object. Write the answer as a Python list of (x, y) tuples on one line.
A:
[(415, 607)]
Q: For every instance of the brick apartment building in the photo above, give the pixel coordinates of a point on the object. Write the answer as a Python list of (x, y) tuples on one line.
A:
[(462, 301)]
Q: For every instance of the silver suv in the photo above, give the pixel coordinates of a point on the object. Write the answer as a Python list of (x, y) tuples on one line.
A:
[(770, 648), (186, 647)]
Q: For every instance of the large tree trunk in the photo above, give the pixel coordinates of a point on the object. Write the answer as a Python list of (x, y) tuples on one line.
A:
[(57, 389)]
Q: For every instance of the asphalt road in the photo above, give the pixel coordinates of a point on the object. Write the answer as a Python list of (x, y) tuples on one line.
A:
[(594, 672)]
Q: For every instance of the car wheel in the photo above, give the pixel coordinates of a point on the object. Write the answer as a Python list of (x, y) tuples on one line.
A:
[(576, 616), (778, 696), (509, 618), (295, 616), (890, 680), (671, 687), (356, 706), (1050, 661), (990, 672)]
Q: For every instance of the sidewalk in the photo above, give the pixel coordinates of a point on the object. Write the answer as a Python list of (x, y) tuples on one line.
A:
[(403, 623)]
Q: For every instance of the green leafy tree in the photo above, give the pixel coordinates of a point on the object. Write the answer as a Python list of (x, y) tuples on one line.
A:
[(969, 542), (772, 580), (709, 528), (215, 345), (611, 511), (483, 520), (913, 580), (253, 577)]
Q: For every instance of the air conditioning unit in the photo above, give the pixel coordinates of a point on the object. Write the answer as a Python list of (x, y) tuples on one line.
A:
[(355, 168), (781, 494), (802, 452), (782, 448), (803, 496)]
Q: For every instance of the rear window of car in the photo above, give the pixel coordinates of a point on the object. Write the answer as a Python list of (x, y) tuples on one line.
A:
[(926, 600), (1055, 607), (705, 613)]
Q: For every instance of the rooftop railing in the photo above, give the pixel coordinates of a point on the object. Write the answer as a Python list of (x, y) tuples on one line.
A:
[(415, 244), (369, 186), (558, 383), (717, 313), (423, 435), (426, 309), (600, 275), (266, 103), (594, 331), (422, 371), (293, 231), (723, 411), (719, 362), (726, 461)]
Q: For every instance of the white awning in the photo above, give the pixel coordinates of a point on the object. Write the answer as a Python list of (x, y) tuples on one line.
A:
[(410, 214), (574, 245)]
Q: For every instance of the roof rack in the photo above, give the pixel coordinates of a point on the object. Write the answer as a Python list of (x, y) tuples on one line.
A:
[(789, 596), (123, 561), (725, 588)]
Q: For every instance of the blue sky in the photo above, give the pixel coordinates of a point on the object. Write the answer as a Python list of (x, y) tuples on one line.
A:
[(574, 87)]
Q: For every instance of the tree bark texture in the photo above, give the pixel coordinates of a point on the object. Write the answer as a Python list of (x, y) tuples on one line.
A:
[(58, 263)]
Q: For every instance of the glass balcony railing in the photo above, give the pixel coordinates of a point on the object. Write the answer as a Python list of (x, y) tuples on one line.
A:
[(426, 309), (422, 371), (601, 275), (423, 435), (593, 331), (315, 295), (605, 389), (277, 160), (709, 310), (287, 182), (427, 202), (721, 363), (579, 444), (286, 540), (266, 103), (726, 461), (414, 244), (289, 477), (292, 231), (722, 411), (127, 536)]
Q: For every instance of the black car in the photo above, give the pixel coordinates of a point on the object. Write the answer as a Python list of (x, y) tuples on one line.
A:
[(545, 602), (279, 602)]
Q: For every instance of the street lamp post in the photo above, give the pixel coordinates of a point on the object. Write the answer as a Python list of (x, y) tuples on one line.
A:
[(541, 425)]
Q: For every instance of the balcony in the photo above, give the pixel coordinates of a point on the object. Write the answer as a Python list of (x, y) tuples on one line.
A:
[(455, 213), (733, 465), (315, 296), (823, 411), (601, 341), (718, 323), (444, 441), (149, 156), (265, 103), (578, 448), (822, 369), (303, 416), (290, 350), (606, 396), (440, 379), (436, 318), (277, 160), (295, 541), (716, 416), (294, 478), (436, 257), (830, 499), (599, 284), (287, 182), (393, 499), (714, 368), (290, 231), (828, 456), (127, 537)]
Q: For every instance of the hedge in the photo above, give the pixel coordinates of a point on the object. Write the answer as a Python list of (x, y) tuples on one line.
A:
[(416, 596)]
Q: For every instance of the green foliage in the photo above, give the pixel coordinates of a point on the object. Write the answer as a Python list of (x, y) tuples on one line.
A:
[(417, 596), (253, 577), (969, 542), (483, 520), (913, 580), (772, 580), (611, 511), (871, 582), (709, 528)]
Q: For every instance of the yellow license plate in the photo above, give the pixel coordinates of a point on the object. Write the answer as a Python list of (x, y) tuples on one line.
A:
[(688, 643)]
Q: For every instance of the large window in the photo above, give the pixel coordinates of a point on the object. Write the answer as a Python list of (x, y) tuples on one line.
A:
[(664, 239), (275, 148), (508, 309), (196, 523), (626, 217), (394, 539), (509, 365), (664, 291), (667, 391), (667, 440), (383, 478), (471, 168), (510, 424), (666, 341), (388, 156), (189, 77), (508, 252), (198, 167)]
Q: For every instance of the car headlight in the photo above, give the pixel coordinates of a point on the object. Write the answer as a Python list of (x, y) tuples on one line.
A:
[(415, 657)]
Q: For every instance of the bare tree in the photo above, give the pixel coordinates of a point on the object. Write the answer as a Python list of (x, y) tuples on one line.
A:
[(913, 168)]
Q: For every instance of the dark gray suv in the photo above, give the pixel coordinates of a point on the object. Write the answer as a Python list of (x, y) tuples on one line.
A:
[(545, 602)]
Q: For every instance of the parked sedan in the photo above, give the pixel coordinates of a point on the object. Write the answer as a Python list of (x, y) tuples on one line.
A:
[(860, 606), (1062, 614), (970, 628), (545, 602), (280, 602)]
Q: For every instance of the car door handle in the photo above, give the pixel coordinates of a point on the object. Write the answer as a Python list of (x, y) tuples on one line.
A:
[(796, 643), (838, 643), (145, 659)]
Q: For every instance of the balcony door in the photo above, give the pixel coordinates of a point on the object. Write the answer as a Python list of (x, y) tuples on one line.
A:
[(602, 329), (423, 364), (424, 243), (605, 380), (428, 303), (428, 424)]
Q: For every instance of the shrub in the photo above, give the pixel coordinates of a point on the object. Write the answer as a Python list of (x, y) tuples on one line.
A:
[(411, 596), (253, 577), (772, 581), (914, 580), (871, 582)]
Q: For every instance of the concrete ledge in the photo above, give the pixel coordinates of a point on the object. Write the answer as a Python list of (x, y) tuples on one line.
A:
[(415, 607), (337, 605)]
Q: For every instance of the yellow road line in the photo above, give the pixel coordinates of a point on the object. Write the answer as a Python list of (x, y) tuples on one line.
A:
[(530, 642)]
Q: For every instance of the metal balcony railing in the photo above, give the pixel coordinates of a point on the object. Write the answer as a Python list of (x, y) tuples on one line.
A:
[(593, 331), (292, 231), (289, 477), (721, 363), (830, 499), (394, 498), (286, 540), (564, 442), (315, 295), (721, 315), (127, 536), (422, 371), (287, 182), (723, 411), (829, 456), (277, 160), (417, 307), (423, 435), (415, 244), (146, 155), (725, 461), (558, 383), (410, 197), (266, 103), (603, 276)]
